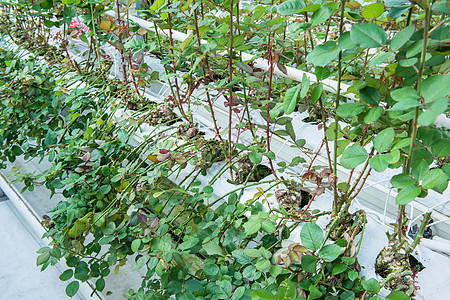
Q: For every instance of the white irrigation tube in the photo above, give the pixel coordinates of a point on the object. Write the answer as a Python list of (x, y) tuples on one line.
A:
[(33, 221)]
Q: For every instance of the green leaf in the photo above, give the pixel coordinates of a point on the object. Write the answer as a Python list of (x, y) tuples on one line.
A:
[(238, 293), (249, 271), (309, 263), (290, 130), (252, 252), (348, 295), (378, 163), (46, 4), (408, 62), (141, 261), (330, 252), (397, 295), (441, 6), (305, 86), (72, 288), (401, 180), (371, 285), (406, 93), (136, 244), (349, 110), (100, 284), (419, 169), (290, 7), (56, 252), (372, 11), (286, 290), (16, 150), (263, 264), (314, 292), (290, 99), (322, 73), (275, 270), (339, 268), (401, 38), (434, 87), (122, 136), (224, 289), (106, 239), (373, 114), (434, 177), (262, 294), (255, 157), (253, 225), (311, 236), (268, 226), (441, 148), (384, 139), (405, 104), (275, 111), (43, 258), (398, 10), (323, 54), (105, 189), (241, 257), (213, 249), (193, 285), (352, 275), (381, 58), (370, 95), (414, 49), (321, 15), (50, 138), (407, 194), (66, 275), (345, 42), (316, 92), (368, 35), (436, 107), (207, 189), (211, 270), (353, 156)]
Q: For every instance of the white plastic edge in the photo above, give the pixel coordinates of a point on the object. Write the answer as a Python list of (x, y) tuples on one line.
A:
[(33, 221)]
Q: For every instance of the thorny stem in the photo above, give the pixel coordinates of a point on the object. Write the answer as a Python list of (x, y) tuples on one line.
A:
[(268, 108), (268, 136), (423, 226), (178, 97), (413, 124), (361, 175), (205, 80), (336, 118), (230, 89), (322, 110), (93, 37), (119, 35)]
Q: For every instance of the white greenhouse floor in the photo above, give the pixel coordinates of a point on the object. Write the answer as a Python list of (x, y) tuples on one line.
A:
[(20, 278)]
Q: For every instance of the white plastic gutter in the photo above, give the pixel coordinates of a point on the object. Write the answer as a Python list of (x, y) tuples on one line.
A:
[(86, 290), (293, 73), (329, 85)]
